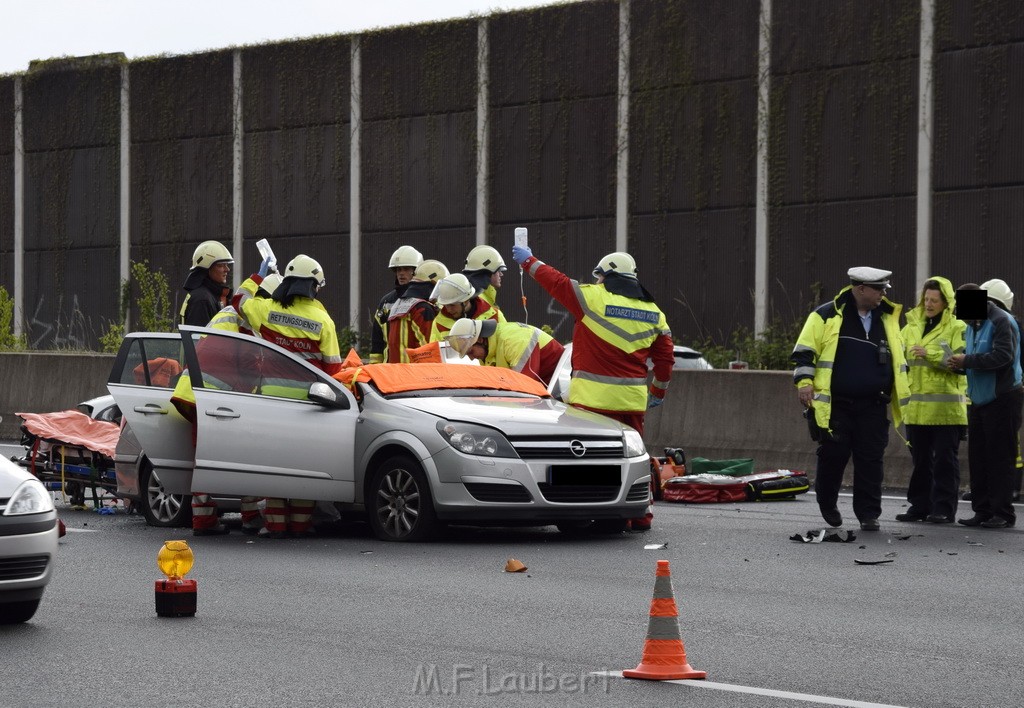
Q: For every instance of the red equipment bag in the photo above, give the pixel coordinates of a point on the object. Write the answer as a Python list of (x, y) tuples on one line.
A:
[(717, 488)]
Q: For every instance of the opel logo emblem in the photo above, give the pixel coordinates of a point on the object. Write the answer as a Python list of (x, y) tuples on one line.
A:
[(577, 448)]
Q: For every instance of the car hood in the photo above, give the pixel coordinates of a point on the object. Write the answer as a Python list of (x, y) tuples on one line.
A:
[(529, 416), (11, 477)]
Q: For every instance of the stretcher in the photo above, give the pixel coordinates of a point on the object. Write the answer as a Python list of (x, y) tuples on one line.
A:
[(69, 451)]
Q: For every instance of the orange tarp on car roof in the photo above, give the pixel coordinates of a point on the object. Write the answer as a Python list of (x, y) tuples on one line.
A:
[(397, 378)]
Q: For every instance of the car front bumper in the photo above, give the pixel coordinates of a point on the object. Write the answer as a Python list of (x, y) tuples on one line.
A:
[(28, 547)]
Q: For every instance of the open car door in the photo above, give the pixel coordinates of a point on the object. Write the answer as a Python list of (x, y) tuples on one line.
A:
[(259, 433), (143, 377)]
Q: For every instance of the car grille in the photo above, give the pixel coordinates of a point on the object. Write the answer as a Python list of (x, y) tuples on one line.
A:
[(578, 494), (638, 492), (500, 493), (555, 447), (23, 567)]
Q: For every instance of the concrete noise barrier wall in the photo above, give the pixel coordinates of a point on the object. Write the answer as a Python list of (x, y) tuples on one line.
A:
[(42, 382)]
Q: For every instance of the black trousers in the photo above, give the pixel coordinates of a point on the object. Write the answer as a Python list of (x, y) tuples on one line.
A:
[(860, 429), (935, 481), (992, 453)]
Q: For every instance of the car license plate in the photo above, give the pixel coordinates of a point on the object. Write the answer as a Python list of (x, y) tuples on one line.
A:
[(585, 475)]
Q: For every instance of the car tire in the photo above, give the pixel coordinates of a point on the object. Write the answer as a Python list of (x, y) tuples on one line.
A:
[(399, 505), (160, 508), (15, 612)]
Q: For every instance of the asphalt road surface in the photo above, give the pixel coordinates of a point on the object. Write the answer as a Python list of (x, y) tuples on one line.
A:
[(346, 620)]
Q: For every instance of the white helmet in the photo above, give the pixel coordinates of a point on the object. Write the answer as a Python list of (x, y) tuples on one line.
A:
[(302, 266), (464, 334), (618, 262), (271, 281), (452, 289), (209, 253), (485, 258), (998, 290), (430, 271), (405, 257)]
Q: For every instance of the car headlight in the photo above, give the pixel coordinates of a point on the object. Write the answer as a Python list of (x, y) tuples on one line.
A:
[(633, 443), (30, 498), (476, 439)]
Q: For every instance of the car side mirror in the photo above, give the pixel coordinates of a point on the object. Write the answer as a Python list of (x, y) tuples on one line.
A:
[(326, 396)]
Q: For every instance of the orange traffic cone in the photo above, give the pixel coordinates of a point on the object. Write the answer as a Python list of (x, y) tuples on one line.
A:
[(664, 655)]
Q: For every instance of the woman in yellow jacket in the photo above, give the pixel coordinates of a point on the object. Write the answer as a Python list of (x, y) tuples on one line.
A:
[(937, 413)]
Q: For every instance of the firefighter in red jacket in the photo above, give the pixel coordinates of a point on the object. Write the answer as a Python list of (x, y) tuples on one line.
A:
[(618, 328), (411, 316), (296, 320), (457, 298)]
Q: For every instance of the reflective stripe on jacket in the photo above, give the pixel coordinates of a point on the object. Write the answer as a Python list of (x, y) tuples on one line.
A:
[(938, 396), (481, 311), (522, 347), (815, 353)]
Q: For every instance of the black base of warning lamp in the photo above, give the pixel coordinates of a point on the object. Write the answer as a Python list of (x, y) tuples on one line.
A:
[(176, 598)]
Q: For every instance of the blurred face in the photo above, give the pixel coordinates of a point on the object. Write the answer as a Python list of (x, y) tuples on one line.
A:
[(933, 303), (496, 279), (219, 272), (456, 310), (403, 274), (868, 297), (479, 350)]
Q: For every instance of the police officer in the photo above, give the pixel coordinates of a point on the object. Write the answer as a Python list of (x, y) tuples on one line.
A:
[(206, 286), (403, 264), (618, 329), (849, 365)]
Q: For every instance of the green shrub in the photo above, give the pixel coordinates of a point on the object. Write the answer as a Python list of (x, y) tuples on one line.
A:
[(8, 341)]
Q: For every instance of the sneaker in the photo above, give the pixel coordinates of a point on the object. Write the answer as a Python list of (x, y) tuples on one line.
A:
[(832, 516), (218, 530), (973, 521), (938, 519), (869, 525), (967, 496), (910, 516), (996, 522), (267, 533)]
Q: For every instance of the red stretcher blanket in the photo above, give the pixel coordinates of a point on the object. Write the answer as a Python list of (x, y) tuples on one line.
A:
[(716, 488), (73, 427)]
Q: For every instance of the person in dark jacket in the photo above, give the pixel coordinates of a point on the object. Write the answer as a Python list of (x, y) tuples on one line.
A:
[(206, 286), (992, 363)]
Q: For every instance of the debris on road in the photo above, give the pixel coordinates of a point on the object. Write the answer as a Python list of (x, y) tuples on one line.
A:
[(514, 566), (825, 536)]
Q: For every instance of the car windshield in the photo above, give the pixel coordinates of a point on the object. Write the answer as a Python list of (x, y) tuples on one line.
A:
[(406, 380)]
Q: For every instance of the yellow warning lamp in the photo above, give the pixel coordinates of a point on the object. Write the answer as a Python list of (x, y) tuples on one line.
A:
[(175, 596)]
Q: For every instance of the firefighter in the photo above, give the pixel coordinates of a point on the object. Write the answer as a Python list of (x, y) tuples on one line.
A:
[(457, 298), (485, 268), (295, 320), (403, 264), (205, 521), (412, 315), (510, 345), (618, 328), (206, 286)]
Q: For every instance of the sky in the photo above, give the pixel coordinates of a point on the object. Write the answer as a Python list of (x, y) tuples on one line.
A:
[(43, 29)]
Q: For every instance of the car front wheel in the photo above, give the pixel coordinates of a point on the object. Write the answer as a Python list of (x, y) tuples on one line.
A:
[(159, 507), (398, 501)]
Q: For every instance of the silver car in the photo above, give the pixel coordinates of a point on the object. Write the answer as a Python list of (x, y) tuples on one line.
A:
[(441, 448), (28, 542)]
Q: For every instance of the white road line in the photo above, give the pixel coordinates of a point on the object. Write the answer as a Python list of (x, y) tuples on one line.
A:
[(827, 700), (71, 530)]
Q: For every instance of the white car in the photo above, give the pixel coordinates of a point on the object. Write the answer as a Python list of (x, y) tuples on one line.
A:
[(476, 445), (28, 542)]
